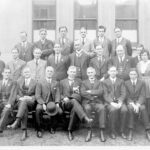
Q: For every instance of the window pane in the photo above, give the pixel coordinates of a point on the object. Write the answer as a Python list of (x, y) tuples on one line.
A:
[(85, 9), (130, 34)]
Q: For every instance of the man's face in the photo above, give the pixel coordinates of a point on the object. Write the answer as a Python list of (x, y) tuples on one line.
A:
[(72, 73), (23, 37), (120, 51), (27, 73), (118, 33), (77, 45), (83, 33), (101, 32), (112, 72), (37, 53), (43, 35), (15, 54), (49, 72), (99, 50), (6, 74), (138, 50), (133, 75), (57, 48), (63, 32), (144, 56), (91, 73)]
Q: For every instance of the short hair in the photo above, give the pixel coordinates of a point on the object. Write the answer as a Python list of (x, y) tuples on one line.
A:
[(7, 68), (117, 28), (133, 69), (140, 45), (26, 67), (91, 68), (49, 67), (61, 27), (15, 49), (112, 66), (144, 51), (72, 67), (57, 43), (43, 29), (24, 32), (36, 49), (120, 46), (99, 45), (83, 28), (102, 27)]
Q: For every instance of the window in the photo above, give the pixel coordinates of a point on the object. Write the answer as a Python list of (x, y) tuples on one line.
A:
[(85, 14), (127, 18), (44, 16)]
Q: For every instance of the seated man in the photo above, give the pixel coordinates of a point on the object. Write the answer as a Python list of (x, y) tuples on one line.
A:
[(71, 99), (136, 102), (92, 91), (114, 96), (47, 91), (26, 87)]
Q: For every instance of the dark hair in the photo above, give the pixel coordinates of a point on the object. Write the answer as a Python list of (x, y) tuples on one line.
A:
[(102, 27), (144, 51), (15, 49), (140, 45), (63, 27), (117, 28), (43, 29), (133, 69)]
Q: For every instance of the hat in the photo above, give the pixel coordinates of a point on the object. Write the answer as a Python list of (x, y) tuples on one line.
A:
[(52, 109)]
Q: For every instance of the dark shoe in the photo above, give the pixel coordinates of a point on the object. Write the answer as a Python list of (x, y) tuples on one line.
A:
[(130, 137), (1, 134), (15, 124), (39, 134), (148, 134), (52, 131), (70, 136), (123, 135), (88, 120), (89, 136), (24, 135), (102, 137), (112, 135)]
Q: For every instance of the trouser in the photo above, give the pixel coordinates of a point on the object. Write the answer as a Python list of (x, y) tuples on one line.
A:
[(99, 109), (144, 116), (115, 114), (2, 105)]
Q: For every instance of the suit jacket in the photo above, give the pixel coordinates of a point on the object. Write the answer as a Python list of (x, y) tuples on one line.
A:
[(85, 59), (47, 48), (134, 62), (67, 91), (2, 66), (60, 68), (16, 69), (37, 72), (46, 92), (96, 91), (113, 92), (100, 67), (106, 45), (25, 54), (127, 45), (123, 68), (67, 47), (136, 95)]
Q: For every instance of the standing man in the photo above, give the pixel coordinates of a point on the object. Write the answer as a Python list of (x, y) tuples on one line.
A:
[(103, 41), (25, 48), (59, 62), (92, 91), (114, 96), (65, 43), (2, 66), (48, 99), (45, 45), (37, 65), (136, 103), (119, 40), (16, 65), (71, 99)]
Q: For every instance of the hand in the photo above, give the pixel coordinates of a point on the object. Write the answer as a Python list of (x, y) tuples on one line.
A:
[(137, 108), (21, 99), (102, 79), (44, 107), (28, 97), (57, 105), (66, 99), (119, 105), (88, 91), (8, 106), (134, 106), (114, 104)]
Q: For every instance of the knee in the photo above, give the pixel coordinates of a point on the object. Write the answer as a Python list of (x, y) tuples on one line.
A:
[(39, 108)]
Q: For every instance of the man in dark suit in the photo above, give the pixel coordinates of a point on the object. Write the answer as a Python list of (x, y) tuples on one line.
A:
[(136, 103), (102, 40), (65, 43), (122, 63), (25, 48), (119, 40), (80, 60), (59, 62), (44, 44), (114, 96), (71, 99), (47, 91), (91, 92), (100, 63), (25, 101)]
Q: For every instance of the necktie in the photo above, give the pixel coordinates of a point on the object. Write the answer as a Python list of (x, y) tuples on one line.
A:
[(133, 83), (83, 41), (36, 62), (57, 59), (26, 82), (117, 40), (120, 59), (63, 42)]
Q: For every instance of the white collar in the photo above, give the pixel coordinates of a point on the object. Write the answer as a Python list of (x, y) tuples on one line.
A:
[(135, 81), (79, 53), (37, 60), (113, 79)]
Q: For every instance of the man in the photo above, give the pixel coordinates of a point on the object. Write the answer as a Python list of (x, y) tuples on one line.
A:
[(87, 45), (25, 48), (16, 65), (80, 60), (100, 63), (71, 99), (25, 101), (2, 66), (37, 65), (122, 63), (59, 63), (44, 44), (47, 91), (114, 96), (119, 40), (136, 103), (102, 40), (92, 91), (65, 43)]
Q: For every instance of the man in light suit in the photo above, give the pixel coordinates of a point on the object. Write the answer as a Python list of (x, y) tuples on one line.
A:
[(136, 103), (65, 43), (104, 41), (47, 91), (114, 96), (44, 44), (25, 101), (59, 62), (37, 65), (16, 65), (25, 48), (119, 40)]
